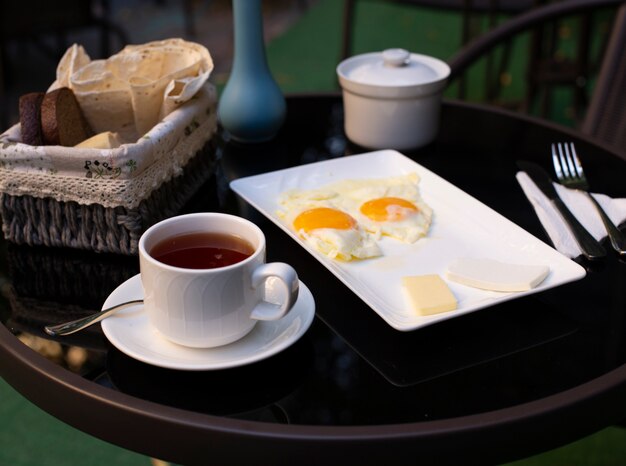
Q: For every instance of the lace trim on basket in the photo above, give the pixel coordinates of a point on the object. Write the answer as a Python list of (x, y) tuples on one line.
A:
[(112, 192)]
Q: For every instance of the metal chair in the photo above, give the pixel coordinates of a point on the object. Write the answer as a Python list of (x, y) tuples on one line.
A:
[(470, 10), (605, 116), (45, 26), (467, 8)]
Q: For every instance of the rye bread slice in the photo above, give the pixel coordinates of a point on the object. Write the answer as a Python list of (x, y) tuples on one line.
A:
[(30, 118), (62, 120)]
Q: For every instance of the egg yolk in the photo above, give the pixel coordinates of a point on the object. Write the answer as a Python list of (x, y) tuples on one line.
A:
[(388, 209), (323, 217)]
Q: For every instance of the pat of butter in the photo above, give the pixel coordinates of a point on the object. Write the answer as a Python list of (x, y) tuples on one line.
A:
[(106, 140), (488, 274), (428, 294)]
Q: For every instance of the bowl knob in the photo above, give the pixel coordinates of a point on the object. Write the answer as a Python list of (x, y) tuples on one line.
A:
[(396, 57)]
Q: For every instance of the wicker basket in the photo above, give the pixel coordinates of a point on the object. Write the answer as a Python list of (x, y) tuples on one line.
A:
[(66, 217), (48, 222)]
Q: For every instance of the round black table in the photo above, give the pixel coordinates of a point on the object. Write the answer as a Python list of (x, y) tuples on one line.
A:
[(495, 385)]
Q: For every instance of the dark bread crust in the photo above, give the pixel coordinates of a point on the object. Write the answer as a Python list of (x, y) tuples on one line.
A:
[(30, 118), (62, 120)]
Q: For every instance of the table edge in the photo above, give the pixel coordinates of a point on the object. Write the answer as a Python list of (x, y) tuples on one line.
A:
[(74, 397)]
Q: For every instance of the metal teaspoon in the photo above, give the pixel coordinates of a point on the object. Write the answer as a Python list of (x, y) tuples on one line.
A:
[(79, 324)]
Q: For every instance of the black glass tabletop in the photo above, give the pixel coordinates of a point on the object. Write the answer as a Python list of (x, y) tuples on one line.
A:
[(486, 378)]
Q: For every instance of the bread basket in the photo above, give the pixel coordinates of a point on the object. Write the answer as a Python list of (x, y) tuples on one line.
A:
[(103, 199)]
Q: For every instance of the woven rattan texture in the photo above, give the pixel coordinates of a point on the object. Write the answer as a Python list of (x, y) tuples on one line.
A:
[(48, 222)]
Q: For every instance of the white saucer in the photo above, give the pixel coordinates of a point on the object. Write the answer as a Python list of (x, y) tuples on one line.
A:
[(131, 333)]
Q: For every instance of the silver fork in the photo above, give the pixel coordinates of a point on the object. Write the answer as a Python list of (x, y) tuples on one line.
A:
[(570, 173)]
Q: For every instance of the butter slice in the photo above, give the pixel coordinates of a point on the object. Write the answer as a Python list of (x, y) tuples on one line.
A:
[(428, 294), (106, 140), (488, 274)]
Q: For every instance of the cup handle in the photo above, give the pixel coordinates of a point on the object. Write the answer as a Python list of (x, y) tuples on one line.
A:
[(287, 277)]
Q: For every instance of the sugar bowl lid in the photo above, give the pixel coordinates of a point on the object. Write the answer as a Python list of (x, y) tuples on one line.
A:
[(397, 69)]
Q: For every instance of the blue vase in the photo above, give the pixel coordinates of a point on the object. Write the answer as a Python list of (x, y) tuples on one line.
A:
[(252, 107)]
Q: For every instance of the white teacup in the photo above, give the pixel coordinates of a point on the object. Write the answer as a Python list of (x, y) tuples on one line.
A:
[(209, 307)]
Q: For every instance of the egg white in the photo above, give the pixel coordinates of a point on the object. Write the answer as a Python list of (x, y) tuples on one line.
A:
[(345, 245), (351, 194)]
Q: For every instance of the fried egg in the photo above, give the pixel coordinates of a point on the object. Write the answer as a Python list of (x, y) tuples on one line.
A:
[(326, 228), (387, 206), (345, 219)]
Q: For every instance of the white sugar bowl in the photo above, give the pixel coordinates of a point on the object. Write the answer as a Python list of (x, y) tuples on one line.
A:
[(392, 99)]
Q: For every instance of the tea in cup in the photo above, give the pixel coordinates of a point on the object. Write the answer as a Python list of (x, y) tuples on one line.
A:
[(203, 277)]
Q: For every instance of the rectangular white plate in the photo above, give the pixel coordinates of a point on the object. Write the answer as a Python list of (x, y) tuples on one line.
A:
[(462, 227)]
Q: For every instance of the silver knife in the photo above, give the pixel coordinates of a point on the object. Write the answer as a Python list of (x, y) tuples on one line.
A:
[(590, 247)]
